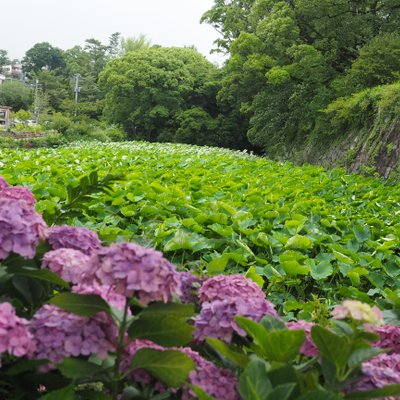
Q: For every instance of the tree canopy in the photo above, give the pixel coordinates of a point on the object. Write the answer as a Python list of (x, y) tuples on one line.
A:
[(148, 90)]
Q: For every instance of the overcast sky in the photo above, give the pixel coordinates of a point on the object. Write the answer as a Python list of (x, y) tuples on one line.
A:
[(65, 23)]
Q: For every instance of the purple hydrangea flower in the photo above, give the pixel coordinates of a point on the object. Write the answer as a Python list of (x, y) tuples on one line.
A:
[(21, 227), (58, 334), (216, 317), (134, 270), (15, 339), (18, 193), (72, 237), (3, 183), (189, 286), (223, 287), (308, 348), (217, 382), (389, 337), (378, 372), (69, 264)]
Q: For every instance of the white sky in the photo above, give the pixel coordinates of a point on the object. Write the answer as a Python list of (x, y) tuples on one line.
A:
[(66, 23)]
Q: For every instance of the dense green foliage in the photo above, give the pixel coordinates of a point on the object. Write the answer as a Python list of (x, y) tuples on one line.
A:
[(289, 60), (148, 90), (16, 95), (312, 236)]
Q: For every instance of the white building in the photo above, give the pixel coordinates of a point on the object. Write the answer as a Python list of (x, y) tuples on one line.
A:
[(12, 71), (2, 79)]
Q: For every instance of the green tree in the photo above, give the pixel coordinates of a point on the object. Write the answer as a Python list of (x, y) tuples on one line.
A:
[(134, 44), (43, 56), (378, 62), (4, 60), (288, 59), (15, 94), (147, 90)]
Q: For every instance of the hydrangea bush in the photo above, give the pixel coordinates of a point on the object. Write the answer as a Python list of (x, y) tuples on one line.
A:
[(79, 320)]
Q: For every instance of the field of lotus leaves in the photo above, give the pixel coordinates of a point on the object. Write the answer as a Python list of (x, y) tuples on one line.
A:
[(310, 237)]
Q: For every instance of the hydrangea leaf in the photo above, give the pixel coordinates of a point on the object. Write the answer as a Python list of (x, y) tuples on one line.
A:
[(169, 366), (85, 305)]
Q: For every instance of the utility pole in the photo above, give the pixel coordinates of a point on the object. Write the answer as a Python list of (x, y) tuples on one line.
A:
[(77, 89), (36, 101)]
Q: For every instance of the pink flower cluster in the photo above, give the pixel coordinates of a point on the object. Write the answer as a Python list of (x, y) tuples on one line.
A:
[(378, 372), (389, 338), (69, 264), (224, 297), (358, 311), (135, 271), (15, 339), (21, 227), (71, 237), (217, 382), (58, 334)]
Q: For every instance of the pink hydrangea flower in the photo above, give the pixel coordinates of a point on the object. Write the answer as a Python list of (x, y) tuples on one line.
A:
[(58, 334), (308, 348), (3, 183), (69, 264), (21, 228), (134, 270), (15, 339), (72, 237), (222, 287), (216, 317), (389, 337), (218, 382), (358, 311), (378, 372)]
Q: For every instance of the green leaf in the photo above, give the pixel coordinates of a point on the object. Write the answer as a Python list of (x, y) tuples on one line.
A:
[(283, 345), (176, 309), (321, 394), (169, 366), (254, 383), (361, 232), (362, 354), (391, 390), (165, 330), (299, 242), (200, 393), (337, 349), (281, 392), (67, 393), (74, 368), (322, 270), (85, 305), (252, 274), (40, 274), (270, 323), (223, 349), (218, 265), (280, 345)]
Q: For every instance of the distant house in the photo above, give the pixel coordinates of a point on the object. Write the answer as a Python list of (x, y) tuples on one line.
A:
[(12, 71), (5, 116)]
